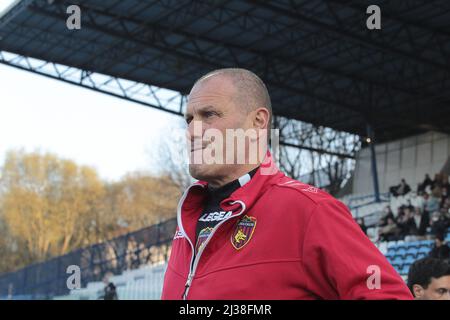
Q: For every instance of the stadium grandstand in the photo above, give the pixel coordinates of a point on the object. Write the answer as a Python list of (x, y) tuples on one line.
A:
[(390, 88)]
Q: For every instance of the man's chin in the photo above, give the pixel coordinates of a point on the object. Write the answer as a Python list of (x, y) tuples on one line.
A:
[(204, 172), (198, 171)]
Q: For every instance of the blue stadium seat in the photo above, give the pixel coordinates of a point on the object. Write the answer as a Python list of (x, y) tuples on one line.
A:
[(404, 269), (391, 254), (428, 243), (412, 251), (413, 244), (391, 244), (393, 247), (401, 251), (397, 266), (409, 259), (424, 250), (421, 255), (397, 260)]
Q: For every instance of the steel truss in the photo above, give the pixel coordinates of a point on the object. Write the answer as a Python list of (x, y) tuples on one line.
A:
[(173, 102), (297, 73), (147, 95)]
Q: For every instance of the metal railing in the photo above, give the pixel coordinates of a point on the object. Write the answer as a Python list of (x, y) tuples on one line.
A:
[(49, 278)]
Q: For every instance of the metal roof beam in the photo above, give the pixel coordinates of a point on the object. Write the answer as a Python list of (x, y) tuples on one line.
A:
[(371, 43)]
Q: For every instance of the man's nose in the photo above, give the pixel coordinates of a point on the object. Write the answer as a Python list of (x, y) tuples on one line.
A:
[(195, 131)]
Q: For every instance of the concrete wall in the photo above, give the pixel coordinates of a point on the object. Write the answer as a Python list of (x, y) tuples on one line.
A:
[(410, 158)]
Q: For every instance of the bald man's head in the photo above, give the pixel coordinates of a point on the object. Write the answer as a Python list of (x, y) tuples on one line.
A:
[(250, 91)]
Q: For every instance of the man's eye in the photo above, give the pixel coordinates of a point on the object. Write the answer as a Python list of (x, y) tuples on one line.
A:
[(210, 114)]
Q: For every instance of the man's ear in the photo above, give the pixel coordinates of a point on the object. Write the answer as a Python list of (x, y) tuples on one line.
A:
[(418, 291), (261, 118)]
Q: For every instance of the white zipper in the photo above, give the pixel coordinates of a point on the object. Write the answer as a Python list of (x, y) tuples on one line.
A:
[(194, 262)]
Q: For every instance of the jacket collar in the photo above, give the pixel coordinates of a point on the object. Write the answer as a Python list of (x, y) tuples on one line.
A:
[(193, 199)]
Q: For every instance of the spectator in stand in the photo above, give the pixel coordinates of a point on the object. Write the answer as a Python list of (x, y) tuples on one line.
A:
[(440, 250), (404, 222), (439, 222), (110, 292), (445, 183), (429, 279), (436, 181), (409, 206), (426, 182), (444, 196), (389, 232), (446, 206), (421, 222), (362, 225), (386, 214), (401, 189), (430, 204), (440, 182)]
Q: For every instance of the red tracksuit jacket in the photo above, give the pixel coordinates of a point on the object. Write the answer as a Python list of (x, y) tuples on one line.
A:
[(284, 240)]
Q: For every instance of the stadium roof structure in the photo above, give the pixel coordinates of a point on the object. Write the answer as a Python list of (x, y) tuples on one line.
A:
[(321, 63)]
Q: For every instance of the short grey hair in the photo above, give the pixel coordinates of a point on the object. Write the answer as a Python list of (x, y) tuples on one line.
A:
[(251, 92)]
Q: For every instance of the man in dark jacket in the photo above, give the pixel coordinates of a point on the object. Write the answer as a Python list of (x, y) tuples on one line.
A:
[(440, 250)]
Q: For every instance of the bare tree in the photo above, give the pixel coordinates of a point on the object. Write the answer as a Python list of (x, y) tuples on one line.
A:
[(171, 155), (320, 155)]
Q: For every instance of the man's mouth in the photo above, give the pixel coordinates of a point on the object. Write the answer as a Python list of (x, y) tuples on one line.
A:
[(196, 149), (198, 146)]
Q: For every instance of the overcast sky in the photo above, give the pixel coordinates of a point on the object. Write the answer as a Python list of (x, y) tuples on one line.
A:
[(4, 4), (110, 134)]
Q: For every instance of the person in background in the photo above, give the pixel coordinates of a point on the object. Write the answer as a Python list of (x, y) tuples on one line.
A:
[(406, 223), (445, 183), (429, 279), (387, 213), (436, 181), (110, 292), (430, 204), (440, 250), (409, 205), (446, 205), (444, 197), (439, 222), (426, 182), (421, 221), (362, 225), (389, 232), (401, 189)]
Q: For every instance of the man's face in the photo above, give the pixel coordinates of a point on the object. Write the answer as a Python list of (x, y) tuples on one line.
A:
[(211, 106), (438, 289)]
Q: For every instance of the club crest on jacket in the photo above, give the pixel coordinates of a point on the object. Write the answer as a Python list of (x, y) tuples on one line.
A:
[(243, 232)]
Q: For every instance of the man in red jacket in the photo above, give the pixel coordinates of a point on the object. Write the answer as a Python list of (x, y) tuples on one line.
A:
[(245, 230)]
